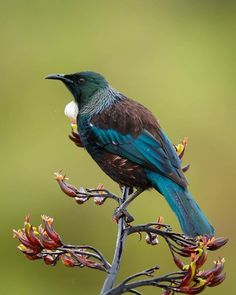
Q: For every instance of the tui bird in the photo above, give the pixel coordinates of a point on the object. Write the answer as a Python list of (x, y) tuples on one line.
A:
[(127, 142)]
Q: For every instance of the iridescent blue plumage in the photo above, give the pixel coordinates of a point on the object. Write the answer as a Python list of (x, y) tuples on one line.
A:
[(147, 152), (126, 141)]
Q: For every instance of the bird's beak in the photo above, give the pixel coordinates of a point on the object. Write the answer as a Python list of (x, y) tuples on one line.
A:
[(60, 77)]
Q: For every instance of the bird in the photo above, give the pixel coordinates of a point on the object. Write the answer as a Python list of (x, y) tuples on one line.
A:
[(126, 140)]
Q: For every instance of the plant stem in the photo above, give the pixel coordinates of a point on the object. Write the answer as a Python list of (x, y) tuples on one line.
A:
[(120, 241)]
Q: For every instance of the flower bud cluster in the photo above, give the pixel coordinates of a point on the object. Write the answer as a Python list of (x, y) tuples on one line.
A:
[(194, 279), (45, 243), (34, 240), (81, 195)]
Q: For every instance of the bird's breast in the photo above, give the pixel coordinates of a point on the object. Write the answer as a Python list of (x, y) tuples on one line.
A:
[(88, 139)]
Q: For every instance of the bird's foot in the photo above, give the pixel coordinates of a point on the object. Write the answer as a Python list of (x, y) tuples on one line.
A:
[(122, 210), (119, 212), (131, 189)]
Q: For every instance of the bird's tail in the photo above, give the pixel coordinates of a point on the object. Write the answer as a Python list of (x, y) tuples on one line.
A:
[(191, 218)]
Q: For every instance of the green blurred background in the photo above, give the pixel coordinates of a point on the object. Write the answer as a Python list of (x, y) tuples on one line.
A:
[(177, 58)]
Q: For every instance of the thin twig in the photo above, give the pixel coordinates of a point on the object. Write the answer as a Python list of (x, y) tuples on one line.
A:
[(148, 228), (106, 194), (135, 292), (98, 254), (157, 282), (148, 272)]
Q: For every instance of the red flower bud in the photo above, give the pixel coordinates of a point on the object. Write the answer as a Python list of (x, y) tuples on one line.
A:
[(80, 197), (217, 280), (191, 272), (84, 261), (201, 259), (67, 260), (30, 244), (216, 243), (100, 200), (67, 188), (49, 260), (48, 222), (178, 262), (216, 270), (29, 232), (180, 148), (31, 257), (191, 290), (151, 239)]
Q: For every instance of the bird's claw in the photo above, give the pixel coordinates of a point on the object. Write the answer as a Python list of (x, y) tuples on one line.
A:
[(118, 213)]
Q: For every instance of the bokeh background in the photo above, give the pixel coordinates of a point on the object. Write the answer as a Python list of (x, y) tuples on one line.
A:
[(177, 58)]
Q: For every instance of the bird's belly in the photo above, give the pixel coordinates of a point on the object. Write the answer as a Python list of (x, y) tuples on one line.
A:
[(122, 170)]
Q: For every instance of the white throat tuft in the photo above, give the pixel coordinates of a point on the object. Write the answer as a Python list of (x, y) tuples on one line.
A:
[(71, 110)]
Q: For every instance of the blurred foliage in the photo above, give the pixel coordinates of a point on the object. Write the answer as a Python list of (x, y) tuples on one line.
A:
[(176, 57)]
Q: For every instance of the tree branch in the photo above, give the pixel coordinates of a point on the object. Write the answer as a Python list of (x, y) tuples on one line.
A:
[(120, 241)]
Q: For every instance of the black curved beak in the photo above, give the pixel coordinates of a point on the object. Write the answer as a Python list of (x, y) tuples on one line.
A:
[(60, 77)]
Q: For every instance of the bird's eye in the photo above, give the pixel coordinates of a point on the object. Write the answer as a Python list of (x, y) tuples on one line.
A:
[(81, 81)]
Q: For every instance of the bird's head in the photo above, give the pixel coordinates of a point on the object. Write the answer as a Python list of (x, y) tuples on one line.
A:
[(82, 85)]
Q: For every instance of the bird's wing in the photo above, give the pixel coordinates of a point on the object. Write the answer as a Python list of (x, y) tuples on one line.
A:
[(152, 151)]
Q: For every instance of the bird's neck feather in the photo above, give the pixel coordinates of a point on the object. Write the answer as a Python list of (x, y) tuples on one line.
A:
[(99, 101)]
